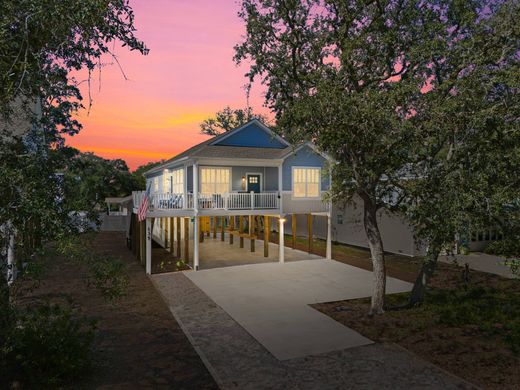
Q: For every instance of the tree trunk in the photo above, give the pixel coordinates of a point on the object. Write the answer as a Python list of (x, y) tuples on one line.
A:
[(378, 260), (424, 276)]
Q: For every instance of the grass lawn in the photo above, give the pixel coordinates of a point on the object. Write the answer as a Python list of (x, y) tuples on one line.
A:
[(473, 333)]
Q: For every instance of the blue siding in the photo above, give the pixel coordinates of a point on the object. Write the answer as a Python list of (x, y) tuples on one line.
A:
[(253, 136), (269, 175), (189, 175), (305, 157), (271, 179)]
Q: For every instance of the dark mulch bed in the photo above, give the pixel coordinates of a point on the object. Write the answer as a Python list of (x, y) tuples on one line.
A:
[(464, 332), (139, 344)]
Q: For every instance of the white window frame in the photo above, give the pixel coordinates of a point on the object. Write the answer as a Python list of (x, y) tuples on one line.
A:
[(156, 184), (180, 183), (230, 184), (306, 190)]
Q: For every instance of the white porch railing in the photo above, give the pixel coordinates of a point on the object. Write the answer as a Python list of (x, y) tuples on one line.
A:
[(225, 201)]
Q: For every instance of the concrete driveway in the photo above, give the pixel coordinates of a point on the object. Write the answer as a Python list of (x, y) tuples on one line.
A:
[(271, 301)]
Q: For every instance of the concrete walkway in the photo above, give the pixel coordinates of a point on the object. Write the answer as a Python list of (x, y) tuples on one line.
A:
[(481, 262), (271, 301), (237, 361)]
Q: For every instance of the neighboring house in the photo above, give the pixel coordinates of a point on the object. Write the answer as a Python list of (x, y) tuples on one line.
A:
[(249, 171)]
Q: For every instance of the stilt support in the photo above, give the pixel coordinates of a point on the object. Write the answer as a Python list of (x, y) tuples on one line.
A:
[(231, 228), (328, 254), (196, 233), (240, 227), (281, 253), (187, 240), (266, 236), (252, 232), (148, 246)]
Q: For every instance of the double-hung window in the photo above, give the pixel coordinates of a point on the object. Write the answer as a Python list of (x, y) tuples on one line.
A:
[(306, 182), (214, 180), (166, 181), (177, 184)]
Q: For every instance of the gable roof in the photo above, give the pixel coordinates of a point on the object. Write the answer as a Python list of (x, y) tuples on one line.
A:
[(211, 148), (269, 140), (215, 148)]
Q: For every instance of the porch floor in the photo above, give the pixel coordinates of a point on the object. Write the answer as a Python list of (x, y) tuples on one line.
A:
[(214, 253)]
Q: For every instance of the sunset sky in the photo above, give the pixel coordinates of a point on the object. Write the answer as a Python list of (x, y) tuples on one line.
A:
[(188, 75)]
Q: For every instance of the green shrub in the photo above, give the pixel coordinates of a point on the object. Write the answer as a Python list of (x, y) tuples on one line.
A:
[(491, 310), (45, 348)]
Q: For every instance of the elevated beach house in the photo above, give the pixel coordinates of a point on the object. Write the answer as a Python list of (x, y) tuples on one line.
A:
[(240, 184)]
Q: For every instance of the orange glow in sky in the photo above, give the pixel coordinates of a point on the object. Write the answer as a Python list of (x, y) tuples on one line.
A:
[(188, 75)]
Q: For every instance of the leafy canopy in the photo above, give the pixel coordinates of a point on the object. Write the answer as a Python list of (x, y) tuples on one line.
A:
[(229, 119)]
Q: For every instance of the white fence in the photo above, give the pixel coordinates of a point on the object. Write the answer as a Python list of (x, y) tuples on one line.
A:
[(225, 201)]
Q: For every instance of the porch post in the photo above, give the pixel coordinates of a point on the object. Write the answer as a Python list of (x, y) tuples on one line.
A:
[(196, 222), (329, 238), (172, 236), (231, 228), (148, 246), (266, 236), (142, 246), (280, 192), (252, 232), (196, 243), (178, 230), (281, 254), (240, 227), (186, 239)]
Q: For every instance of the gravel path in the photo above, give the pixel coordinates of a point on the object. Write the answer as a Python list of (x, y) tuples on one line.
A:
[(238, 361)]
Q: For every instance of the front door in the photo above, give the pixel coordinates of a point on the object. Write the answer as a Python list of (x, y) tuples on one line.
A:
[(253, 183)]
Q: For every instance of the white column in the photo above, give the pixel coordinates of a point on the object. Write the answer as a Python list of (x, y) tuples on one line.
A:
[(281, 245), (195, 188), (196, 243), (148, 246), (280, 189), (196, 217), (329, 237)]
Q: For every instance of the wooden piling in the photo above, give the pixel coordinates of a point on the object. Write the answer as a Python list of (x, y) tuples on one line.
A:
[(222, 220), (240, 231), (231, 228), (252, 232), (309, 231), (187, 240), (215, 219), (172, 236), (178, 223)]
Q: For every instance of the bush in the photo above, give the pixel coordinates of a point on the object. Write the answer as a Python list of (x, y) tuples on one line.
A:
[(45, 348)]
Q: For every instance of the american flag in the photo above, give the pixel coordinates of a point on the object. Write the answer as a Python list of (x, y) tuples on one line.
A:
[(143, 207)]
